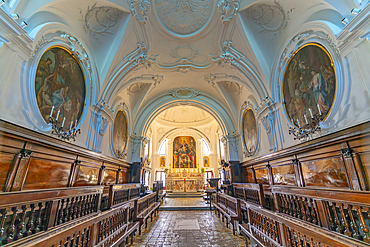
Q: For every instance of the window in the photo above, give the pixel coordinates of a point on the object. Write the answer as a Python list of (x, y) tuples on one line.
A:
[(162, 148), (207, 175), (146, 151), (161, 176), (222, 150), (206, 149)]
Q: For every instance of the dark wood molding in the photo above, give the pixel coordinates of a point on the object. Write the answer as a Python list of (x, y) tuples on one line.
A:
[(357, 131), (15, 131)]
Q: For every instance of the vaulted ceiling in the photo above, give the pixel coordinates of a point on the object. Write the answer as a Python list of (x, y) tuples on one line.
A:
[(214, 54)]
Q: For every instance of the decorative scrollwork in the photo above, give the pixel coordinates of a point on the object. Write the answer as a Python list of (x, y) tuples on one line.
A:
[(139, 10), (99, 20), (272, 18), (229, 9), (184, 16)]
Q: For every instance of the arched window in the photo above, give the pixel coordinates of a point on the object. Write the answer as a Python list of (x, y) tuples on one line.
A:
[(162, 148), (222, 150), (146, 151), (206, 149)]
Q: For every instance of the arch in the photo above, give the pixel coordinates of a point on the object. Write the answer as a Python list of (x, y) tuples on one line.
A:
[(201, 100)]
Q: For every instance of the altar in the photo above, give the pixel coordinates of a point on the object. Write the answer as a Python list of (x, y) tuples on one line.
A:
[(185, 180)]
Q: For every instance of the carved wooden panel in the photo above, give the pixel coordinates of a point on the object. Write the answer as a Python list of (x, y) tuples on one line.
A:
[(249, 176), (262, 176), (365, 162), (284, 175), (87, 176), (109, 177), (6, 160), (45, 173), (327, 172), (123, 177)]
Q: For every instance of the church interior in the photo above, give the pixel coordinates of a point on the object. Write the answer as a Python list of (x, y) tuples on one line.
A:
[(185, 123)]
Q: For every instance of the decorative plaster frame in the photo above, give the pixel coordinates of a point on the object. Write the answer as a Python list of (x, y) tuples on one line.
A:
[(49, 38), (120, 107), (248, 105), (313, 33)]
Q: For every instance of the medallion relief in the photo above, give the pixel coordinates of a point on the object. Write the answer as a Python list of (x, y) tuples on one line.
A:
[(183, 16)]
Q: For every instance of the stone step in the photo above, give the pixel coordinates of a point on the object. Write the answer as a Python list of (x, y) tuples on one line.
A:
[(184, 194)]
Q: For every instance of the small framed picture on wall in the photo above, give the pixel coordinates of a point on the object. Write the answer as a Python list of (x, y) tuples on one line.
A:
[(162, 161), (206, 161)]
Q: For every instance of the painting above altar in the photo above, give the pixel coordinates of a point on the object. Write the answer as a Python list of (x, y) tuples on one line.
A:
[(184, 152)]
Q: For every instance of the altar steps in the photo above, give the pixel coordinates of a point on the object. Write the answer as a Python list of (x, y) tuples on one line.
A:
[(182, 204), (185, 194)]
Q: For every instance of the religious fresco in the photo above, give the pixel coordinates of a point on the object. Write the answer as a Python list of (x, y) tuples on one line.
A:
[(206, 161), (60, 86), (162, 161), (120, 133), (309, 84), (184, 152), (250, 131)]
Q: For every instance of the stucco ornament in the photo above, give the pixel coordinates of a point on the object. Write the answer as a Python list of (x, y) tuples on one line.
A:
[(183, 16), (99, 20), (229, 9), (272, 18), (139, 9)]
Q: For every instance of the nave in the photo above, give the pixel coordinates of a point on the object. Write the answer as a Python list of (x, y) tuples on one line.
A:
[(187, 227)]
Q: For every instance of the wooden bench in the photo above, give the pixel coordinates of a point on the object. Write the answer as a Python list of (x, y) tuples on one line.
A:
[(144, 208), (227, 207)]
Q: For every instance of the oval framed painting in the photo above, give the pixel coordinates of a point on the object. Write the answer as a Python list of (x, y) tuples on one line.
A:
[(60, 86), (250, 131), (120, 133), (309, 85)]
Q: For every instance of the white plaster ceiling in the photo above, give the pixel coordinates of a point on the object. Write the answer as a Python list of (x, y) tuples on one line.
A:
[(184, 46)]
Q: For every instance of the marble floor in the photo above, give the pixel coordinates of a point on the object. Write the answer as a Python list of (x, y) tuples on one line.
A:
[(187, 229)]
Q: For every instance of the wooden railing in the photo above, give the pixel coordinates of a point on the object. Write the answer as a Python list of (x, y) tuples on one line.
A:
[(109, 228), (248, 192), (228, 208), (23, 214), (270, 229), (121, 193), (145, 207), (343, 212)]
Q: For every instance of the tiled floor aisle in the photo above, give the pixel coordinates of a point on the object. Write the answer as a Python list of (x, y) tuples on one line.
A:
[(210, 232)]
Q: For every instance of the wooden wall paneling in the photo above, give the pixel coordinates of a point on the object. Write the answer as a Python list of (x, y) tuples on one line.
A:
[(361, 158), (351, 170), (88, 173), (10, 155), (23, 159), (118, 176), (47, 168), (324, 167), (283, 172), (261, 174), (74, 171)]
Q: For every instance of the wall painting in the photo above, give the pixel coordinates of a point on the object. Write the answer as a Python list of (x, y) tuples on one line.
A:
[(162, 161), (206, 161), (120, 133), (250, 131), (60, 85), (184, 152), (309, 84)]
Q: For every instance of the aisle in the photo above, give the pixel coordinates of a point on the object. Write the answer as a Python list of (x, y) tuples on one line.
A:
[(187, 229)]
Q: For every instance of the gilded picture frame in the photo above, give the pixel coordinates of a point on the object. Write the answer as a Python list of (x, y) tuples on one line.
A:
[(250, 131), (205, 161), (309, 84), (162, 161), (120, 132), (60, 86)]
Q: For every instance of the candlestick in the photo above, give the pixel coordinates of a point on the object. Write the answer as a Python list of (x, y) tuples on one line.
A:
[(76, 123), (292, 121), (57, 115), (305, 118), (310, 112), (318, 107), (52, 109), (64, 119), (70, 126), (298, 123)]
